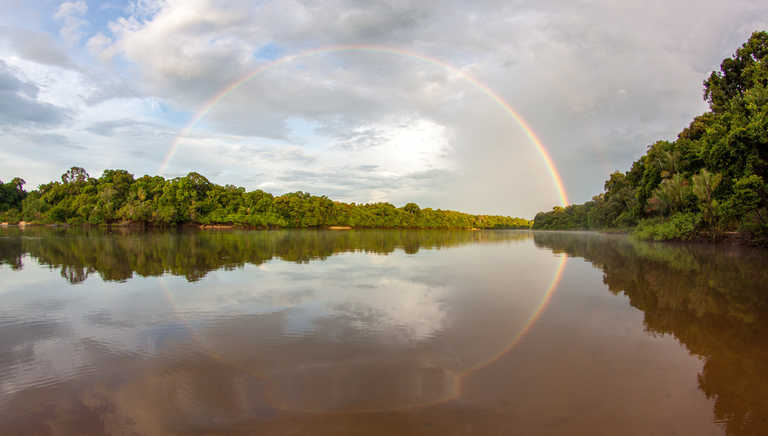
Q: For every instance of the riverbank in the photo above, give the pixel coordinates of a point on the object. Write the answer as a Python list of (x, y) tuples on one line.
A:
[(726, 238), (229, 226)]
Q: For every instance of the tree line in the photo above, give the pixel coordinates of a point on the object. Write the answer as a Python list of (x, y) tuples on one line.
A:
[(710, 180), (119, 197)]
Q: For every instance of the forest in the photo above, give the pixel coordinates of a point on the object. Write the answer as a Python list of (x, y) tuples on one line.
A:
[(117, 197), (709, 182)]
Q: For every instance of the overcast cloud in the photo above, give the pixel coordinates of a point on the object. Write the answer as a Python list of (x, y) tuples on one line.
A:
[(105, 84)]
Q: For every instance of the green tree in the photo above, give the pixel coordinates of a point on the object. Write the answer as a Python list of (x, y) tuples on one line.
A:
[(704, 185), (747, 68), (711, 177), (74, 175)]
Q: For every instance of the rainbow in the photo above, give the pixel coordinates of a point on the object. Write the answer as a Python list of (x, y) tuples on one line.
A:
[(530, 321), (206, 108)]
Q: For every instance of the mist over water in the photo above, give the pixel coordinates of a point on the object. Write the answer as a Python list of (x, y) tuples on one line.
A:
[(378, 332)]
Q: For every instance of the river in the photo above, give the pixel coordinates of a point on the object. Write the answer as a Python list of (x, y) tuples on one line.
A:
[(379, 332)]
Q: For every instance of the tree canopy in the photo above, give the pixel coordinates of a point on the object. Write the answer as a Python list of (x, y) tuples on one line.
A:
[(118, 197)]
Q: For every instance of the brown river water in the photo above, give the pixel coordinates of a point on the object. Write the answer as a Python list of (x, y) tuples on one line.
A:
[(379, 332)]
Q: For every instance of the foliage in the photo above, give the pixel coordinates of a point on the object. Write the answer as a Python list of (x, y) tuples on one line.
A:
[(704, 186), (680, 226), (118, 197), (11, 196), (750, 194), (716, 168), (672, 195)]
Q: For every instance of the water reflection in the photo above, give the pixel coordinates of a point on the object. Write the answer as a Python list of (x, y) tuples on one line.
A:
[(377, 332), (713, 299), (308, 321), (117, 255)]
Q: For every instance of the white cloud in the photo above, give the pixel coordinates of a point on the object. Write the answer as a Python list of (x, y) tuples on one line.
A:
[(97, 45), (68, 9), (71, 15)]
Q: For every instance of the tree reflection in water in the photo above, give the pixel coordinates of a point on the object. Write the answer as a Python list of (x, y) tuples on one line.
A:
[(118, 255), (711, 298)]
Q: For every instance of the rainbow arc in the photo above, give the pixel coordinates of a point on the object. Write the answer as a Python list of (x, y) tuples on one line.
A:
[(485, 89)]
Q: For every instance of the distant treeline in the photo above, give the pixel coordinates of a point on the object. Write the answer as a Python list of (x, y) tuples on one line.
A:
[(118, 197), (710, 180)]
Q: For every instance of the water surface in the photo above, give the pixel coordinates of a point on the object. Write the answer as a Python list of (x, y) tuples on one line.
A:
[(379, 332)]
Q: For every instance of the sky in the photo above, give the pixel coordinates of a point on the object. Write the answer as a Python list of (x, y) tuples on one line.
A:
[(142, 85)]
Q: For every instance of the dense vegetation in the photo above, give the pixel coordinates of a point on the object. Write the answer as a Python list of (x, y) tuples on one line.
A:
[(710, 180), (11, 196), (710, 298), (118, 197)]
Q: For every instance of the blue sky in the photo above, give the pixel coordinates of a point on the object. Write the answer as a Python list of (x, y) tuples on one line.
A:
[(106, 84)]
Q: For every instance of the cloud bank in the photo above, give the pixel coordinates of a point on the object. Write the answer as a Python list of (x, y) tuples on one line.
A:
[(106, 85)]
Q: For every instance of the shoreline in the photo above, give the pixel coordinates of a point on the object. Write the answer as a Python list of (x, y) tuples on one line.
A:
[(725, 238), (227, 226)]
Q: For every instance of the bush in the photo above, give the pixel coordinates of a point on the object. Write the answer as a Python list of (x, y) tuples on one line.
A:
[(11, 216), (680, 226)]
